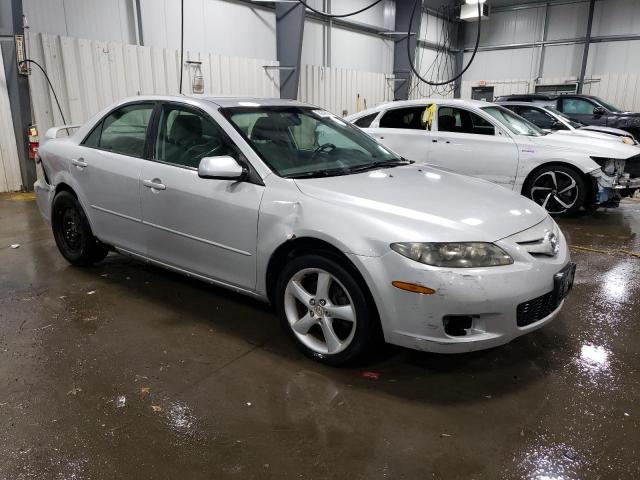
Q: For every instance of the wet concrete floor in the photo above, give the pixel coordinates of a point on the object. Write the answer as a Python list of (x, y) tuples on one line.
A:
[(127, 371)]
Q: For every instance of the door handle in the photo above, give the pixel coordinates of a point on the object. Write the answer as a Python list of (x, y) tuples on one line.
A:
[(381, 137), (155, 184), (79, 162), (434, 140)]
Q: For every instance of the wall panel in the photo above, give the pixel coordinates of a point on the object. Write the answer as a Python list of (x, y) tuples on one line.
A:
[(10, 179), (339, 89), (88, 75)]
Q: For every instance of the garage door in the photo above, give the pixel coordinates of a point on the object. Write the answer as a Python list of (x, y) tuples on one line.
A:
[(10, 179)]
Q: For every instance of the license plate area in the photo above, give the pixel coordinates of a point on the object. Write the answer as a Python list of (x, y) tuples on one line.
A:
[(563, 282)]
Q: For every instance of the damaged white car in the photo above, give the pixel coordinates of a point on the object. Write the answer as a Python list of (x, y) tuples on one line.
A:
[(290, 204), (562, 173)]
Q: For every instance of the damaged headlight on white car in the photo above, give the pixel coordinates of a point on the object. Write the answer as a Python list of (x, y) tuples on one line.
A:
[(454, 255)]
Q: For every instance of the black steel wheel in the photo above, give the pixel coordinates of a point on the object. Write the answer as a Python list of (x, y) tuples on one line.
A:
[(72, 232)]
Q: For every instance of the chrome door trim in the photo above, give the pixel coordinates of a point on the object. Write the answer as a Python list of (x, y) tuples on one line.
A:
[(189, 273), (198, 239), (122, 215)]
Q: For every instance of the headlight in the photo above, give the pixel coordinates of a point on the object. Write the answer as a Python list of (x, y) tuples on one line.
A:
[(454, 255), (628, 140)]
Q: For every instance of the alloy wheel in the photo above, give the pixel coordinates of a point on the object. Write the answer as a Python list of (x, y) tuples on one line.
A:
[(71, 229), (556, 191), (320, 311)]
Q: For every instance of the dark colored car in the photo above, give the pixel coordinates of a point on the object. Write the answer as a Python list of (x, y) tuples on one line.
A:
[(586, 109)]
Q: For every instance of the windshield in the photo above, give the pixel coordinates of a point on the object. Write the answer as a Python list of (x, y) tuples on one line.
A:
[(558, 113), (297, 142), (513, 122), (607, 105)]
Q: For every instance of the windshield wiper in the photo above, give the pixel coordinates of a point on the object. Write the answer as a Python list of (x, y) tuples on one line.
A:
[(319, 173), (381, 164)]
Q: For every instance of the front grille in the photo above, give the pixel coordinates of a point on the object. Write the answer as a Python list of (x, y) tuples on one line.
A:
[(632, 166), (536, 309)]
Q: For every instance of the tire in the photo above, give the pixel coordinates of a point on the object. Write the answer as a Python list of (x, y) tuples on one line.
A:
[(560, 190), (323, 330), (72, 232)]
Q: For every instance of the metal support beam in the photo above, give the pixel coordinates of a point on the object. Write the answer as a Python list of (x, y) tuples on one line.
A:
[(585, 51), (545, 30), (137, 15), (289, 31), (459, 56), (401, 66), (11, 23), (564, 41)]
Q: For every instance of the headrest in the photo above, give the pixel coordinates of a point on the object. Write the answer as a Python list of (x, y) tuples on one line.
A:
[(446, 123)]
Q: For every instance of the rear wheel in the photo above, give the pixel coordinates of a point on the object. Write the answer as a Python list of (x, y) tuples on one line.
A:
[(72, 232), (325, 309), (560, 190)]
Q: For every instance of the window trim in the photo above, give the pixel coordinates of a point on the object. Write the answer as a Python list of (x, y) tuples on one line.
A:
[(100, 124), (375, 117)]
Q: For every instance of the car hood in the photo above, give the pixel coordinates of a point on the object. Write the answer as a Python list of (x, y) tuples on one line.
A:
[(589, 146), (606, 130), (423, 203)]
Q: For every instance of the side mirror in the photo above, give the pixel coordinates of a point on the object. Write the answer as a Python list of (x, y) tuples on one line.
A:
[(599, 111), (221, 168)]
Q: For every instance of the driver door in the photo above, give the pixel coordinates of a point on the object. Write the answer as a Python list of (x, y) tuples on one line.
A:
[(204, 226)]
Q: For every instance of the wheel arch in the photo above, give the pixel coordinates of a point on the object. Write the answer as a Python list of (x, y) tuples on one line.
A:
[(299, 246), (588, 179)]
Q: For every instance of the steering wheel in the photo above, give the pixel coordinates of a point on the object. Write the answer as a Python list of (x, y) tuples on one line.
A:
[(324, 148), (190, 152)]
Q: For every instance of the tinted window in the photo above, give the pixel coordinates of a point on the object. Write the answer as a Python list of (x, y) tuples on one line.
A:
[(577, 106), (364, 122), (93, 140), (124, 131), (186, 137), (409, 118), (538, 117), (463, 121)]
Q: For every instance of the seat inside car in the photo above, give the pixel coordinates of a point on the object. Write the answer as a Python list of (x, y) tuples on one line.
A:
[(447, 123), (273, 139)]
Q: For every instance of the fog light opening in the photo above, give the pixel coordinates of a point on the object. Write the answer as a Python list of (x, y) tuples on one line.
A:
[(457, 325)]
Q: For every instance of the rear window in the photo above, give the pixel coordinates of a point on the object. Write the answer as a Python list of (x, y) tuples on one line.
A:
[(365, 122)]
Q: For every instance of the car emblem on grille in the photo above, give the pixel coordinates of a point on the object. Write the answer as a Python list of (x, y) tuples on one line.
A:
[(550, 240)]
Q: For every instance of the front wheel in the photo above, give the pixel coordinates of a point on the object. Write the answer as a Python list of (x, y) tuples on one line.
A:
[(325, 309), (72, 232), (558, 189)]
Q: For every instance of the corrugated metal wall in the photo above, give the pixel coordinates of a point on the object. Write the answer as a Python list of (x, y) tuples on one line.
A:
[(339, 89), (89, 75), (612, 67), (10, 179)]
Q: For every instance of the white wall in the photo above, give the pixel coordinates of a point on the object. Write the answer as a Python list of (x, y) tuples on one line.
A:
[(96, 19), (516, 70)]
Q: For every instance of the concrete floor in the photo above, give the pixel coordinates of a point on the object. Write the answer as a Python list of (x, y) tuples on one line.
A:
[(128, 371)]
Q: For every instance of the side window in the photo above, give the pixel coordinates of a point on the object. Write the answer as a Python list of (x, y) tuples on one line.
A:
[(186, 137), (93, 139), (459, 120), (537, 117), (577, 106), (407, 118), (124, 131), (365, 122)]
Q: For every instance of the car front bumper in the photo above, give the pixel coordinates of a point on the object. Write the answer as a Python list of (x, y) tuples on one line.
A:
[(489, 295)]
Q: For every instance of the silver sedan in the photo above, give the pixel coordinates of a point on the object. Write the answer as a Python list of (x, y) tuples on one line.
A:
[(288, 203)]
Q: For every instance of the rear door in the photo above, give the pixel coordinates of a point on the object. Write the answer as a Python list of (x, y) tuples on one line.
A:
[(203, 226), (467, 143), (107, 171), (404, 132)]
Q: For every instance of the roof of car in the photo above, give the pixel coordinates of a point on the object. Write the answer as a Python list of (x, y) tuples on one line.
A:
[(253, 102), (420, 101)]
